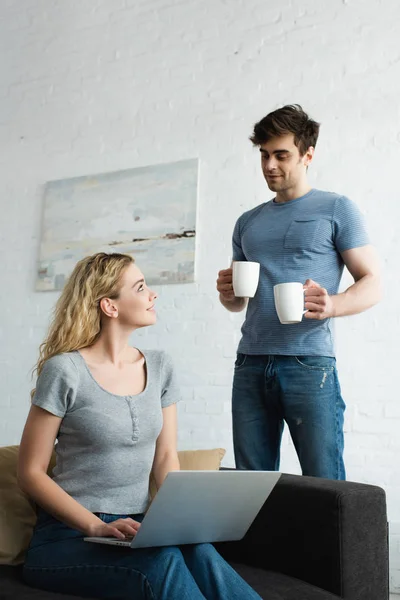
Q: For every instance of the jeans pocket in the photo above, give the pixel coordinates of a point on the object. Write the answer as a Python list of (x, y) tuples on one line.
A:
[(240, 360), (109, 518), (316, 363)]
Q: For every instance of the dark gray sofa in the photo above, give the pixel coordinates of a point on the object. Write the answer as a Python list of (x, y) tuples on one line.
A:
[(314, 539)]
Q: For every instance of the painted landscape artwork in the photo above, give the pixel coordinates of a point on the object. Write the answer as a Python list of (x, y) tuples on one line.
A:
[(148, 212)]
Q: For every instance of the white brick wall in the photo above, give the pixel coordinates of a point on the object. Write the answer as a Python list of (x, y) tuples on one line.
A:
[(100, 85)]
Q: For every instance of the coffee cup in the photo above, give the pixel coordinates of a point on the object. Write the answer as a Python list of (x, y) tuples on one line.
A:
[(245, 276), (289, 302)]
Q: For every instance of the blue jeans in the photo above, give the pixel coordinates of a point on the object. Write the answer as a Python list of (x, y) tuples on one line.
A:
[(302, 391), (59, 560)]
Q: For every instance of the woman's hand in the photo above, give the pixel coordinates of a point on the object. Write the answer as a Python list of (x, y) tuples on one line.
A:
[(121, 529)]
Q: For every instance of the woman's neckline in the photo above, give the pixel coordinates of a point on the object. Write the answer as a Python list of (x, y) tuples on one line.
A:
[(146, 366)]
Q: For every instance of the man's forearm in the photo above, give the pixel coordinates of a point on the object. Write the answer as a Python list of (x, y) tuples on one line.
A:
[(360, 296), (234, 305)]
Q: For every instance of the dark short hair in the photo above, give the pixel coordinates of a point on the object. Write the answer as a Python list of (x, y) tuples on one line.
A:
[(288, 119)]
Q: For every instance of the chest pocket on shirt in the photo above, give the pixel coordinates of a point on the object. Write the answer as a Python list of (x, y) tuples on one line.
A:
[(301, 234)]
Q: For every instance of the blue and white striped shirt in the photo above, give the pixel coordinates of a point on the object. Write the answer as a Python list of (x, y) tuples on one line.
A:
[(295, 241)]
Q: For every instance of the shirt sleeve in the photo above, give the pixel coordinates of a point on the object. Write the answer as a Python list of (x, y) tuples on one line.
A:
[(56, 385), (349, 228), (237, 251), (170, 393)]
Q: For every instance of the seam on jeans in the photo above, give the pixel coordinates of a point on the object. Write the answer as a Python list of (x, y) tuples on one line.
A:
[(337, 432), (91, 567), (337, 427), (314, 368)]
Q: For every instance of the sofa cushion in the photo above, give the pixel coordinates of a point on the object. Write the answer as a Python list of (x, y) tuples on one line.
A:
[(14, 588), (17, 512), (269, 585), (275, 586)]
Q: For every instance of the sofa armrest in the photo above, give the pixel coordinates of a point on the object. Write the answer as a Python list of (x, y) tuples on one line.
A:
[(332, 534)]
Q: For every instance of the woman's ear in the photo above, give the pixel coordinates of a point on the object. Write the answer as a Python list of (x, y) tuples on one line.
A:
[(109, 308)]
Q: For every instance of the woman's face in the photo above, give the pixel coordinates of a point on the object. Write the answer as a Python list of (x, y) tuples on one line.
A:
[(135, 304)]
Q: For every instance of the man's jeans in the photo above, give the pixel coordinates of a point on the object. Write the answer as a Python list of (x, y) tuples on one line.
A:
[(59, 560), (304, 391)]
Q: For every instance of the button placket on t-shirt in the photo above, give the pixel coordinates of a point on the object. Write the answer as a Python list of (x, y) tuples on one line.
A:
[(134, 417)]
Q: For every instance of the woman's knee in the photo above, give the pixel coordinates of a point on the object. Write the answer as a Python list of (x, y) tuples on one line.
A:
[(170, 555), (202, 552)]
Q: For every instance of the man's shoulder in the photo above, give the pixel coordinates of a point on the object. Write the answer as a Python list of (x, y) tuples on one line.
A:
[(250, 214), (338, 205), (327, 204), (326, 196)]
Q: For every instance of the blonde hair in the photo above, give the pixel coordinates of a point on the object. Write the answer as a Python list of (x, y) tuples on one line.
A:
[(77, 314)]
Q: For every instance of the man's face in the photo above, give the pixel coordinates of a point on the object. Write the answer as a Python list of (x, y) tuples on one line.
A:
[(281, 163)]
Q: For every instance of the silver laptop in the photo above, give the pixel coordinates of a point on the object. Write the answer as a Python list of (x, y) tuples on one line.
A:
[(193, 507)]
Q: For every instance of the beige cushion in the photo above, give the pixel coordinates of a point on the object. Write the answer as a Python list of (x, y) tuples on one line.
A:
[(201, 460), (17, 512)]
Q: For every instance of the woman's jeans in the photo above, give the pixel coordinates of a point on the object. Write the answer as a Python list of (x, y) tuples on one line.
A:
[(302, 391), (59, 560)]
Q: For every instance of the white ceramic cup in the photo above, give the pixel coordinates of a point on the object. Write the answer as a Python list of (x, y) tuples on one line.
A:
[(289, 302), (245, 275)]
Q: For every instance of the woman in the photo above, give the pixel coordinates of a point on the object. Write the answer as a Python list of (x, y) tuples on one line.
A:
[(112, 409)]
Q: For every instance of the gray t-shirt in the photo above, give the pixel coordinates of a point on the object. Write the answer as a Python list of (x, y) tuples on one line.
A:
[(106, 443)]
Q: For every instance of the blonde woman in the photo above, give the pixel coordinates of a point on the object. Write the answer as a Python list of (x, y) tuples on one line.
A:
[(112, 409)]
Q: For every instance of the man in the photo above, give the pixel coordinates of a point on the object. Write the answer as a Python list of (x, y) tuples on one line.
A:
[(288, 372)]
